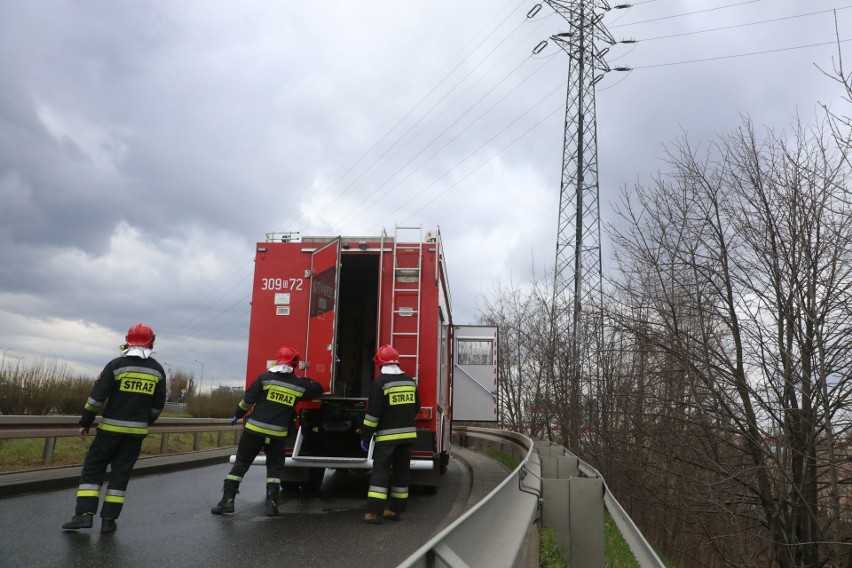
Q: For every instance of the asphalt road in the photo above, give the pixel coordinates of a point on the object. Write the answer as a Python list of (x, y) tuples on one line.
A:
[(167, 522)]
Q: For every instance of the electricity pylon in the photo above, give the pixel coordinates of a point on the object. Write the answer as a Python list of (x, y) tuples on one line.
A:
[(577, 269)]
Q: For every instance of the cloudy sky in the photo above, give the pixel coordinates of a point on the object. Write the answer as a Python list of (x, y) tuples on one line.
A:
[(145, 146)]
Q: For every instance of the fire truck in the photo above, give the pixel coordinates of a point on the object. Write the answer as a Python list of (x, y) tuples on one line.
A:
[(336, 300)]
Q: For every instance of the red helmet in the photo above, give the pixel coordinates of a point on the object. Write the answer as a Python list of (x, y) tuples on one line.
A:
[(386, 355), (287, 356), (140, 335)]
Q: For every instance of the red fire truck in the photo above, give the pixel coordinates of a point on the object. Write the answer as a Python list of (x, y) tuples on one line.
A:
[(336, 300)]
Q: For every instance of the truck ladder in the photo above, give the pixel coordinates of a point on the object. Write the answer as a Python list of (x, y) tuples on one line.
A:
[(405, 298)]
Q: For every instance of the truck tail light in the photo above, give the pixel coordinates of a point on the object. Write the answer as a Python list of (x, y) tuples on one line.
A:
[(425, 413)]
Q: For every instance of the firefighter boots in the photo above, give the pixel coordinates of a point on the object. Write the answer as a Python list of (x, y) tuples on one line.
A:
[(81, 521), (372, 518), (272, 490), (229, 493), (107, 525), (391, 515)]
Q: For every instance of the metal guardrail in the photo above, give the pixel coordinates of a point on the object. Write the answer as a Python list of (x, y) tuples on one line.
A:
[(641, 549), (495, 532), (51, 427), (570, 480)]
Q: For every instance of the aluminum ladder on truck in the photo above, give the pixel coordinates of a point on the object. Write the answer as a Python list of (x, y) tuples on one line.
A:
[(406, 297)]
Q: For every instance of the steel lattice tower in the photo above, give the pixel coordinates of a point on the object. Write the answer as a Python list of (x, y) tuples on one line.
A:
[(577, 269)]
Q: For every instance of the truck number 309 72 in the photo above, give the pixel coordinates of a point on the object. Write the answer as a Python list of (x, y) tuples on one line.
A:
[(277, 284)]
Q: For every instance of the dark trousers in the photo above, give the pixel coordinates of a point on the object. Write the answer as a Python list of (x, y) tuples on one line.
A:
[(390, 477), (120, 452), (250, 445)]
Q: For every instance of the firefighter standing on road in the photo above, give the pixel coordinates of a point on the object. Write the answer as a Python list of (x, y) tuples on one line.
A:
[(273, 395), (131, 392), (391, 414)]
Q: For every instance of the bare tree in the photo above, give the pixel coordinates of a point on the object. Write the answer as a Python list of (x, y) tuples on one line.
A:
[(522, 317), (717, 405), (739, 263), (844, 79)]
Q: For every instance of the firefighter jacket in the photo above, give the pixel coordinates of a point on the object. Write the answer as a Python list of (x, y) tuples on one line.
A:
[(274, 396), (130, 393), (392, 409)]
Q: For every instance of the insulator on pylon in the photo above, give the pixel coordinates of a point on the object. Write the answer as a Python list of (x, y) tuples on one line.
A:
[(537, 49), (533, 11)]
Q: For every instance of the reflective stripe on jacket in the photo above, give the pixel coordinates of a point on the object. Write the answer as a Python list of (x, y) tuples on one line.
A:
[(392, 409), (130, 393), (274, 396)]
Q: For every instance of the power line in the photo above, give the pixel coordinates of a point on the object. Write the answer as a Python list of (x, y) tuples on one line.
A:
[(396, 147), (473, 153), (480, 166), (449, 127), (187, 325), (411, 108), (740, 55), (686, 14), (744, 25)]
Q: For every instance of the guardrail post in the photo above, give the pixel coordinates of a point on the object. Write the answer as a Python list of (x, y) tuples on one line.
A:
[(220, 439), (574, 509), (551, 451), (555, 509), (560, 467), (164, 443), (196, 441), (586, 522), (49, 447)]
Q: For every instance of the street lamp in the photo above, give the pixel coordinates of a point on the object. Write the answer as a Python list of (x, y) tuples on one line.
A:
[(201, 380), (168, 379)]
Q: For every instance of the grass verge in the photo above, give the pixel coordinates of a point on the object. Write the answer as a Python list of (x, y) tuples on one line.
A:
[(22, 454)]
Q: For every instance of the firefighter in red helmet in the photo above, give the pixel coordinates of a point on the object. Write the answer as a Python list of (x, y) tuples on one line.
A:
[(130, 393), (273, 395), (391, 413)]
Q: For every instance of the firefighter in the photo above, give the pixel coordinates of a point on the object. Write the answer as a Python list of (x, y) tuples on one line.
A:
[(130, 393), (391, 413), (273, 395)]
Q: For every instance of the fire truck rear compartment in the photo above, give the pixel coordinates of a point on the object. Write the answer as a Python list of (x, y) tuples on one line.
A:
[(332, 429), (356, 324)]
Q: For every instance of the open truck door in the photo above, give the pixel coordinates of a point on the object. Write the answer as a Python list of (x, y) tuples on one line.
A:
[(475, 373), (324, 277)]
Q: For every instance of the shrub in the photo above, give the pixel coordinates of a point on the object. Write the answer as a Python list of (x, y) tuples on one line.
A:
[(218, 404), (45, 387)]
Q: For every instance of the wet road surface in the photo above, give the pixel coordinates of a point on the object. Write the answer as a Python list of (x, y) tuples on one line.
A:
[(167, 522)]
